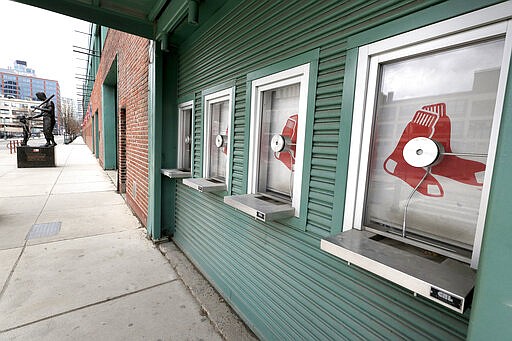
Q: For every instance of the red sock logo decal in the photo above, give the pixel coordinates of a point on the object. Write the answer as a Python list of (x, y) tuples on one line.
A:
[(432, 122), (290, 131), (421, 125), (452, 166)]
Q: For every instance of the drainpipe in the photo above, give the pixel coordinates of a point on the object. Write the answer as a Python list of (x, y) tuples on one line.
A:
[(155, 66)]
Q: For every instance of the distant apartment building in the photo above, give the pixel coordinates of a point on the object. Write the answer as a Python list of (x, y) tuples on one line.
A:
[(79, 110), (11, 109), (20, 82)]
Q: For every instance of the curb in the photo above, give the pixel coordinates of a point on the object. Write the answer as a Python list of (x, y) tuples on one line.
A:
[(223, 318)]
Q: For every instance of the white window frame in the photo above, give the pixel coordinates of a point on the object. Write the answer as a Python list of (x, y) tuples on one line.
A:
[(488, 22), (181, 131), (299, 74), (213, 98)]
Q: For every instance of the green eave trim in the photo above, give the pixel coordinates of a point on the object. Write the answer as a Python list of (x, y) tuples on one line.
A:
[(98, 15), (171, 17)]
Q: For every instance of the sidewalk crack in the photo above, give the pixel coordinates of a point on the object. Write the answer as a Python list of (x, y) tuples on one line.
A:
[(106, 300)]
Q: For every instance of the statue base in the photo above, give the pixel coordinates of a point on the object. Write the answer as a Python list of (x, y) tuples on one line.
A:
[(33, 157)]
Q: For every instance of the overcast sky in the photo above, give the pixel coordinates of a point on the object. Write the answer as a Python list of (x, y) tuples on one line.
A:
[(45, 41)]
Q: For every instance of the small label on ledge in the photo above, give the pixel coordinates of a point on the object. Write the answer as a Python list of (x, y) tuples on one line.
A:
[(445, 297), (260, 215)]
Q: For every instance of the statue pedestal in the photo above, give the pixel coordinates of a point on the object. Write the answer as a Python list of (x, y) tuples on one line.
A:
[(32, 157)]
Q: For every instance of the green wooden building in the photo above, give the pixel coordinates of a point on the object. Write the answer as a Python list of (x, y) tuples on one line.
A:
[(336, 169)]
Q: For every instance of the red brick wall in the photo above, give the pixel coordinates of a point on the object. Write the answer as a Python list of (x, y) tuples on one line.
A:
[(132, 91), (87, 133), (122, 151)]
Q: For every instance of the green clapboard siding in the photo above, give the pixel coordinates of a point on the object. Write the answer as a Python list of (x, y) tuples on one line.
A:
[(286, 288), (238, 170), (275, 275)]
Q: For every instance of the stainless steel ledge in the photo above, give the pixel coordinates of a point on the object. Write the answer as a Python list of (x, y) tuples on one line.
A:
[(261, 206), (205, 185), (438, 278), (175, 173)]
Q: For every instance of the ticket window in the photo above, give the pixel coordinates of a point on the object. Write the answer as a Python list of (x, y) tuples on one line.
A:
[(429, 132), (430, 143), (276, 146), (185, 137), (425, 127), (278, 141), (184, 143), (216, 143)]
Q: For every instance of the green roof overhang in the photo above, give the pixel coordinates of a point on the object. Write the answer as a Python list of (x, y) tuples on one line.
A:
[(146, 18)]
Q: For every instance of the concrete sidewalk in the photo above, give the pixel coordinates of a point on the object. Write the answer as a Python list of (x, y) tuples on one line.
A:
[(97, 277)]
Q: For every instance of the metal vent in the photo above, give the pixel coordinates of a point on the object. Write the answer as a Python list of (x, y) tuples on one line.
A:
[(44, 230)]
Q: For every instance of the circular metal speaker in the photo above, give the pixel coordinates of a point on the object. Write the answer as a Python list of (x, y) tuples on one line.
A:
[(277, 143), (422, 152), (219, 141)]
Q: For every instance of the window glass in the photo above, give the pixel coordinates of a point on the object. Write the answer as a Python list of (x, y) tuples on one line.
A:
[(185, 142), (37, 86), (279, 123), (279, 106), (446, 97), (219, 125)]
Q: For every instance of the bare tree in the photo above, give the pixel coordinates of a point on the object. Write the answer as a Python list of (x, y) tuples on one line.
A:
[(72, 127)]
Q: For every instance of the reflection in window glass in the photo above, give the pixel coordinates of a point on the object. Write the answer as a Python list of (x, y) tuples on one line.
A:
[(448, 97), (280, 109), (219, 139)]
